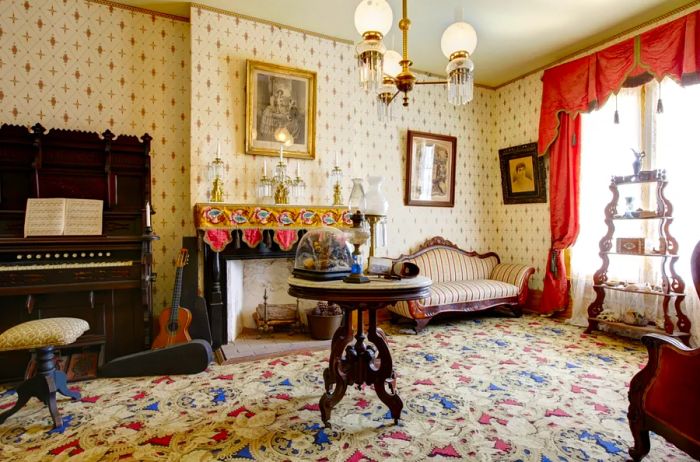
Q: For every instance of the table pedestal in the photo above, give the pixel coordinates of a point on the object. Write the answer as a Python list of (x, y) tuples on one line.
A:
[(361, 363), (368, 360)]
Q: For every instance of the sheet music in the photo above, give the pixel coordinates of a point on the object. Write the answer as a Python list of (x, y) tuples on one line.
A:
[(44, 217), (83, 217), (60, 216)]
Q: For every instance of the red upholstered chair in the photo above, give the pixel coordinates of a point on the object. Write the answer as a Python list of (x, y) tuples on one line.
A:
[(665, 395)]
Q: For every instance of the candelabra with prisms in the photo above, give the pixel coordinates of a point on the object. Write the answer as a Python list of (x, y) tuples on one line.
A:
[(216, 170), (280, 188), (336, 181)]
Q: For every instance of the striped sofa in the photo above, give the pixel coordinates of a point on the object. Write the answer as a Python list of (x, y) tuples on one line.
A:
[(462, 281)]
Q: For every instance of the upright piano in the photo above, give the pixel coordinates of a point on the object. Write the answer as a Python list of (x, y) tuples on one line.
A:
[(106, 279)]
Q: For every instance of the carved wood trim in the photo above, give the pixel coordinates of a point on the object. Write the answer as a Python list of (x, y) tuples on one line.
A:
[(440, 242)]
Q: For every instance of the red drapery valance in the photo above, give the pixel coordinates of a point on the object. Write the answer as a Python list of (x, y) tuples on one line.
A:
[(672, 50)]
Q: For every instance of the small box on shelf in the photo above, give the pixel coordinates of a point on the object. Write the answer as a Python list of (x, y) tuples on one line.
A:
[(630, 245)]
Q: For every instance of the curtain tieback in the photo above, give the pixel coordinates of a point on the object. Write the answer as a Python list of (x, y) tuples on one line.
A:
[(553, 267)]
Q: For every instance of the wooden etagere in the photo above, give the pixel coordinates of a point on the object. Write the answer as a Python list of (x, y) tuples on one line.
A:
[(672, 289)]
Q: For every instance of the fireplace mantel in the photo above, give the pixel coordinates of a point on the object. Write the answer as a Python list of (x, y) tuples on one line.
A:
[(269, 231), (216, 221)]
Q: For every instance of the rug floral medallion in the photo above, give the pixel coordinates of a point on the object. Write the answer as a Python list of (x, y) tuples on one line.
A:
[(490, 389)]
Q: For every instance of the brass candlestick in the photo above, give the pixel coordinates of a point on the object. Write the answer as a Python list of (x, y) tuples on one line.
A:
[(373, 220), (217, 191), (337, 194), (337, 178), (216, 171)]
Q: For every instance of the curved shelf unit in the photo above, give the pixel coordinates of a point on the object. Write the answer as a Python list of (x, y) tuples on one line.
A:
[(673, 292)]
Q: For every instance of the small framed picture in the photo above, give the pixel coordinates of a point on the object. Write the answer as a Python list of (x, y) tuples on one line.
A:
[(277, 98), (431, 164), (522, 175)]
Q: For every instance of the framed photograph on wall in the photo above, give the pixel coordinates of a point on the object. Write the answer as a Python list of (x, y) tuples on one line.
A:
[(431, 164), (280, 97), (522, 175)]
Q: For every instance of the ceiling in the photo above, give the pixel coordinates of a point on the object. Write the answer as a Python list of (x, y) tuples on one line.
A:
[(514, 36)]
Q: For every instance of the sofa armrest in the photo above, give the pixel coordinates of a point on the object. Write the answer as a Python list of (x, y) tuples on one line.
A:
[(518, 275)]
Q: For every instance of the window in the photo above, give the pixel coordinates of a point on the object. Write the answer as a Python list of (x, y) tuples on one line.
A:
[(668, 139)]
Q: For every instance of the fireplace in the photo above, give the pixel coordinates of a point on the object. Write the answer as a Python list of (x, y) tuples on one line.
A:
[(232, 235)]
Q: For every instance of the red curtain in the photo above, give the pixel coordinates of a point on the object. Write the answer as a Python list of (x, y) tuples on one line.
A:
[(563, 190), (569, 89)]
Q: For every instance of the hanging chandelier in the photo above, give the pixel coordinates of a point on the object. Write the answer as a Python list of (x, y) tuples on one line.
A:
[(389, 73)]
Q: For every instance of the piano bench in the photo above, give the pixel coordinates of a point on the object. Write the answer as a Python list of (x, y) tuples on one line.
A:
[(43, 335)]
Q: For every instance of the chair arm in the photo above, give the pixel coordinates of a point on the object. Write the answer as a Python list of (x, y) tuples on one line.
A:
[(518, 275)]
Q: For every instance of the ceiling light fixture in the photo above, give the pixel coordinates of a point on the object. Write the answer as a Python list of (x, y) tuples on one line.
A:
[(389, 73)]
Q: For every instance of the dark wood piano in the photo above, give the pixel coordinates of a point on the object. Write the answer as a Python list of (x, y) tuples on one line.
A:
[(107, 279)]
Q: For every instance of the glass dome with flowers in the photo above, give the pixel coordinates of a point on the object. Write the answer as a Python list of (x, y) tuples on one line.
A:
[(323, 254)]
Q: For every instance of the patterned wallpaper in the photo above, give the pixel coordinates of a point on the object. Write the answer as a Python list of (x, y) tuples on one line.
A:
[(346, 124), (523, 229), (85, 66)]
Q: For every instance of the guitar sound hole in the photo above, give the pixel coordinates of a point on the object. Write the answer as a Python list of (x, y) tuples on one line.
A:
[(172, 327)]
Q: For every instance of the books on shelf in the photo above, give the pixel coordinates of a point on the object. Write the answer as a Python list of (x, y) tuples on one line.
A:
[(63, 217)]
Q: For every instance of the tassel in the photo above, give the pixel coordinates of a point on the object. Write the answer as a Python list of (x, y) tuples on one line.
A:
[(660, 103), (616, 118)]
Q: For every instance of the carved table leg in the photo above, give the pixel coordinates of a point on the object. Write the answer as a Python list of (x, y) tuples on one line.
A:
[(384, 376), (334, 376)]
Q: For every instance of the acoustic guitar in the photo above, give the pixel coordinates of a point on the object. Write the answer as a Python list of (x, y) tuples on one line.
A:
[(174, 322)]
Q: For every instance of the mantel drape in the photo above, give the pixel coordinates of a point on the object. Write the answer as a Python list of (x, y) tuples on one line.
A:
[(670, 50)]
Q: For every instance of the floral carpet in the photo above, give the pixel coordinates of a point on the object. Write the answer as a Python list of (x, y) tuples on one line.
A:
[(527, 389)]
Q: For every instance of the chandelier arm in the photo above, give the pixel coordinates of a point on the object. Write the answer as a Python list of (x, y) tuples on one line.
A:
[(431, 82), (393, 97)]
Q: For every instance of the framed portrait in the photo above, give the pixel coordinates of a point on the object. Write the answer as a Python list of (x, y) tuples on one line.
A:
[(279, 97), (522, 175), (431, 164)]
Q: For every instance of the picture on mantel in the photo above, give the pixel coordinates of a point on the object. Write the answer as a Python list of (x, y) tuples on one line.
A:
[(279, 97)]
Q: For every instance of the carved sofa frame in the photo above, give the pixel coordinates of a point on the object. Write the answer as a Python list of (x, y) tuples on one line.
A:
[(422, 315)]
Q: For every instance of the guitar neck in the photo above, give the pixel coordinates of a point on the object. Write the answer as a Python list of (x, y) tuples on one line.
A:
[(177, 289)]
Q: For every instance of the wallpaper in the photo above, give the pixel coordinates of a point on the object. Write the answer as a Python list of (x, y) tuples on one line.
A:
[(347, 125), (523, 229), (85, 66)]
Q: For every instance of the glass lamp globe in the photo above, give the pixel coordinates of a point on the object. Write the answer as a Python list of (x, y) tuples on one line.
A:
[(392, 63), (373, 16), (460, 36)]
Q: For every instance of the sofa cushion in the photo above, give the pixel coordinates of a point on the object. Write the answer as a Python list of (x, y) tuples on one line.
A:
[(446, 293), (445, 265)]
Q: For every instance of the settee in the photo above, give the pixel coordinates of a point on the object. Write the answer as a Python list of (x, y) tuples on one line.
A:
[(462, 282)]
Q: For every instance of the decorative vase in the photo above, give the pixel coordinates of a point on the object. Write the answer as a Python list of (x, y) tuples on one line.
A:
[(376, 202), (637, 164), (357, 196)]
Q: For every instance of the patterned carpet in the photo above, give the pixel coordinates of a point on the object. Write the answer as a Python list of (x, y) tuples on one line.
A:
[(490, 389)]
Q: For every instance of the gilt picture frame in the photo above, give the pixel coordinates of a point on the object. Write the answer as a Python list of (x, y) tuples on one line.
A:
[(431, 166), (523, 175), (280, 97)]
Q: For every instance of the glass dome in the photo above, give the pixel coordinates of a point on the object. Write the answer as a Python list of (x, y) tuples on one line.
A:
[(323, 254)]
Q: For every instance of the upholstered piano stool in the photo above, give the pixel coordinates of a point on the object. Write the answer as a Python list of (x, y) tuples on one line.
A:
[(43, 335)]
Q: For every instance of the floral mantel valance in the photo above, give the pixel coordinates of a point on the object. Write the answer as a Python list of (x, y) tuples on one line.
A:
[(216, 221)]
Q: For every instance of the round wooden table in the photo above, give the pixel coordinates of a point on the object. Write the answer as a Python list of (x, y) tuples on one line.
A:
[(361, 363)]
